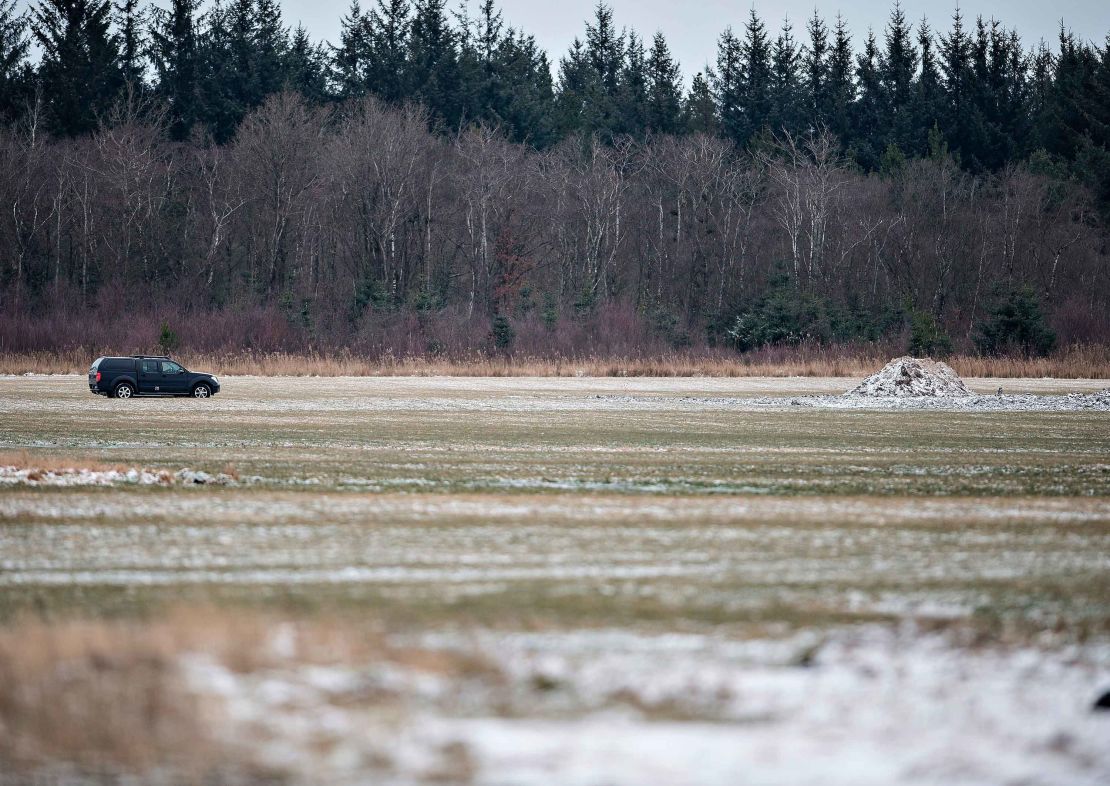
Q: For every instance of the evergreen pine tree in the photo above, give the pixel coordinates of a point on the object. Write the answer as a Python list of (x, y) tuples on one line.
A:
[(664, 89), (756, 76), (527, 102), (433, 62), (867, 140), (130, 21), (389, 26), (15, 72), (271, 45), (605, 49), (841, 90), (815, 69), (955, 65), (728, 88), (228, 83), (174, 52), (928, 92), (479, 64), (306, 67), (787, 106), (578, 95), (633, 89), (80, 70), (1041, 90), (590, 79), (699, 112), (351, 60), (897, 68), (605, 52)]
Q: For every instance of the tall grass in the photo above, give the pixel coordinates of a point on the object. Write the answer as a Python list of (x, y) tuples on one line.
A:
[(108, 698), (1079, 362)]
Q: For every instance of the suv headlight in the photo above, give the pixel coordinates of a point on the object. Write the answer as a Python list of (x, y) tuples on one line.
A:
[(215, 380)]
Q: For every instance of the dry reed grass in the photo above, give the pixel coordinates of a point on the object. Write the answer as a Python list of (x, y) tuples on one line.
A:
[(1078, 362), (107, 697), (99, 697), (40, 462)]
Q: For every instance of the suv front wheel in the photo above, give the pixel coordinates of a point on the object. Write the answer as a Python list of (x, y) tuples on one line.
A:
[(123, 390), (202, 391)]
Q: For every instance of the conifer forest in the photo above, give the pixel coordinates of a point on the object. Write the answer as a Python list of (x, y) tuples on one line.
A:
[(433, 182)]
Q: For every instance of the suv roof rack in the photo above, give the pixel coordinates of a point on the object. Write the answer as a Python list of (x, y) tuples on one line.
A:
[(151, 357)]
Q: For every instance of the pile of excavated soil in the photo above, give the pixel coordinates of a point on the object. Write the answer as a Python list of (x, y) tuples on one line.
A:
[(909, 377)]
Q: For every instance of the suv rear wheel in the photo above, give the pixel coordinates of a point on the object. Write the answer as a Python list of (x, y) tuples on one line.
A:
[(202, 391), (123, 390)]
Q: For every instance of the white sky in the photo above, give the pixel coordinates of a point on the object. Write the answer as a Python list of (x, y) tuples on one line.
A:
[(692, 27)]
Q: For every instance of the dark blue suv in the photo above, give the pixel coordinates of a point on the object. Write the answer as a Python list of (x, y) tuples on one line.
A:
[(148, 375)]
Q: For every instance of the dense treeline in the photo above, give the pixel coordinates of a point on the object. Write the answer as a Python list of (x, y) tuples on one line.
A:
[(424, 184)]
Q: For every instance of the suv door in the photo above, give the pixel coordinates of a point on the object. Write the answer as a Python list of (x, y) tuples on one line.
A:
[(174, 379), (150, 376)]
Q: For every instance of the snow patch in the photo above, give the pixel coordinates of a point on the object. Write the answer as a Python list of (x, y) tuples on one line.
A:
[(583, 708), (30, 476), (79, 476)]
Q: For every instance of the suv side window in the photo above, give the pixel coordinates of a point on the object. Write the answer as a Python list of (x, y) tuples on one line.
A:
[(150, 366), (169, 367)]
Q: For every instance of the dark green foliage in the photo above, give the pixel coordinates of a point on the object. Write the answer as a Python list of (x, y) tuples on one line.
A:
[(550, 311), (130, 21), (389, 73), (590, 80), (927, 337), (503, 333), (897, 69), (975, 87), (664, 90), (756, 77), (700, 111), (15, 72), (783, 316), (369, 293), (817, 101), (351, 60), (728, 89), (167, 339), (174, 50), (1015, 323), (840, 92), (787, 92), (306, 67), (632, 96), (869, 111), (433, 63), (80, 71), (669, 326), (928, 108)]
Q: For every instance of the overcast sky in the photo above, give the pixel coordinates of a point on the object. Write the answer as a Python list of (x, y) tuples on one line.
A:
[(692, 26)]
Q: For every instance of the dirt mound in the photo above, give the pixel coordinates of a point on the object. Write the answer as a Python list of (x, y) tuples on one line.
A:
[(908, 377)]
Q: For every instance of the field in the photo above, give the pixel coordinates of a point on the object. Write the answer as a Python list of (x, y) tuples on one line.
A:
[(552, 581)]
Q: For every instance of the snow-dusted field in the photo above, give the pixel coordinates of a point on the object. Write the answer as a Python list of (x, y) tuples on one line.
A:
[(568, 581)]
